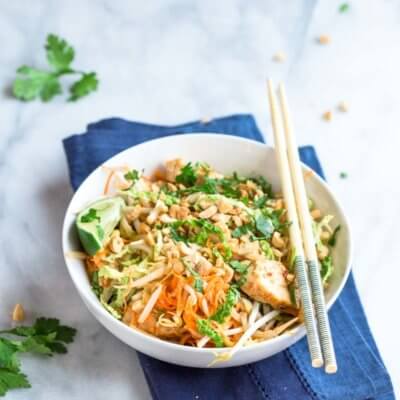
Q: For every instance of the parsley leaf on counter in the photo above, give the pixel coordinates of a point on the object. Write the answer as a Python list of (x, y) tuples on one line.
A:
[(87, 84), (32, 83), (46, 336)]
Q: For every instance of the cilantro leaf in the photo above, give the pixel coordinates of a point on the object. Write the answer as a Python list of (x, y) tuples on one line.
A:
[(10, 379), (90, 216), (32, 83), (204, 327), (8, 352), (59, 53), (87, 84), (187, 176), (132, 175), (241, 230), (343, 175), (225, 309), (260, 202), (332, 239), (264, 225), (242, 269), (344, 7), (46, 336), (194, 230), (326, 268)]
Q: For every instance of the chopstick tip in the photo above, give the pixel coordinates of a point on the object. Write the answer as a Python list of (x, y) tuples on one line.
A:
[(331, 368), (317, 362)]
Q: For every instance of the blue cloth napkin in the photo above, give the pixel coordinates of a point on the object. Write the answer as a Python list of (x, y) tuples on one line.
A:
[(287, 375)]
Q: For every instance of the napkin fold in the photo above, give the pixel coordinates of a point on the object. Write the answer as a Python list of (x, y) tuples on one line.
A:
[(287, 375)]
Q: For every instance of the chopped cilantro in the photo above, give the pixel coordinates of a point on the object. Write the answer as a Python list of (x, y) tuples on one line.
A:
[(194, 230), (326, 268), (241, 230), (90, 216), (343, 175), (332, 239), (260, 202), (187, 176), (344, 7), (132, 175), (264, 225)]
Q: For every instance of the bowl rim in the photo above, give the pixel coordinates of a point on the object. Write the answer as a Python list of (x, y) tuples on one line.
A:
[(94, 303)]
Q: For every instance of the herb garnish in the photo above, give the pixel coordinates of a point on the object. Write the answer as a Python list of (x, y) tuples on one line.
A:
[(332, 239), (344, 7), (90, 216), (132, 175), (32, 83), (45, 337), (187, 176), (194, 230)]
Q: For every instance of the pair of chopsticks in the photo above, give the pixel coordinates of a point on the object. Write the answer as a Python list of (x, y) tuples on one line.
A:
[(301, 234)]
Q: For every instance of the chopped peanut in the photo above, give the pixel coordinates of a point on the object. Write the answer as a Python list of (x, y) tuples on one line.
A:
[(208, 212), (327, 115), (316, 213), (18, 313), (277, 241), (324, 39)]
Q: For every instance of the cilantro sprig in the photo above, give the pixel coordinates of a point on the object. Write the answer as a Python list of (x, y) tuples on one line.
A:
[(46, 336), (90, 216), (32, 83)]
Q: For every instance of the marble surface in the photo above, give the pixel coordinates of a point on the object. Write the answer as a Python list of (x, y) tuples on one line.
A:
[(173, 61)]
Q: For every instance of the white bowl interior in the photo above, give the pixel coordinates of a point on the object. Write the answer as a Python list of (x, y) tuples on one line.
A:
[(226, 154)]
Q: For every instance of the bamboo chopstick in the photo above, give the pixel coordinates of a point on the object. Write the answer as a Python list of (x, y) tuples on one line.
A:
[(294, 232), (308, 237)]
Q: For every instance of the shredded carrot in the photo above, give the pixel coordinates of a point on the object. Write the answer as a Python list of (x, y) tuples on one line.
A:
[(108, 182)]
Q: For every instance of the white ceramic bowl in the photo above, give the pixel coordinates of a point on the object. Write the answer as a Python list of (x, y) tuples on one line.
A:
[(225, 154)]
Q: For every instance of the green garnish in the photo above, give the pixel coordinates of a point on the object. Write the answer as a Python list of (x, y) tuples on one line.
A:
[(264, 225), (344, 7), (32, 83), (242, 269), (343, 175), (292, 293), (194, 230), (45, 337), (198, 282), (332, 239), (260, 202), (132, 175), (225, 309), (187, 176), (241, 230), (205, 328), (326, 268), (267, 249), (90, 216)]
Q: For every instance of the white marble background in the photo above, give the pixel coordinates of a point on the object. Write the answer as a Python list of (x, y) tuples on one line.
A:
[(170, 62)]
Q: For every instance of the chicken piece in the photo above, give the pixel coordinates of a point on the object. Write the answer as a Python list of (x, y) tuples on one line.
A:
[(173, 169), (266, 283), (151, 326)]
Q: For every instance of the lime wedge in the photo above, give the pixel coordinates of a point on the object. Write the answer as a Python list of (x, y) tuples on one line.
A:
[(97, 221)]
